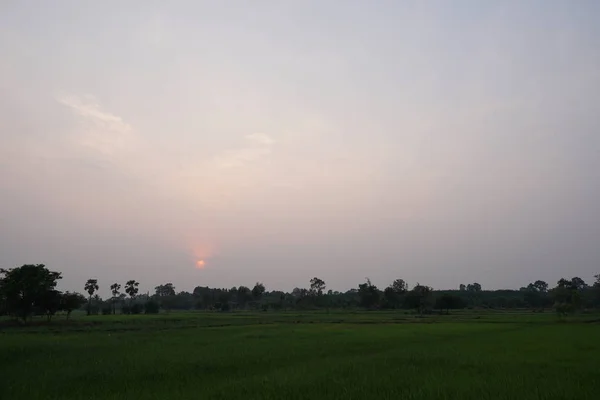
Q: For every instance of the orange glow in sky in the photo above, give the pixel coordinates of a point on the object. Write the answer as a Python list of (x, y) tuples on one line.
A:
[(200, 264)]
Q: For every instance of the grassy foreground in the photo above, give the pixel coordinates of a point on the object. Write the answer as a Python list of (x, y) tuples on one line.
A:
[(302, 356)]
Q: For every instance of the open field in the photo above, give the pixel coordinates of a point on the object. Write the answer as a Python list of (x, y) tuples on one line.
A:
[(303, 356)]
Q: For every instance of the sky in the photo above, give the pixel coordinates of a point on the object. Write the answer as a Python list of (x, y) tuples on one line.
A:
[(222, 143)]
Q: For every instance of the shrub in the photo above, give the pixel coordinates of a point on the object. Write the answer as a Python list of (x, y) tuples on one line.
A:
[(151, 307), (137, 308)]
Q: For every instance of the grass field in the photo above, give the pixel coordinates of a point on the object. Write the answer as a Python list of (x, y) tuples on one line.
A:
[(379, 355)]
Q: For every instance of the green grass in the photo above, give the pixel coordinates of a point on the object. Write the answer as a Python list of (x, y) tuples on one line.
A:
[(336, 355)]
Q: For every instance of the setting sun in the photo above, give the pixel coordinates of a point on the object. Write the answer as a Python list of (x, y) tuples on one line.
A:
[(200, 264)]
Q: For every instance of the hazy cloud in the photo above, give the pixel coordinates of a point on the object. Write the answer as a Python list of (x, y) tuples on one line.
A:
[(98, 129), (260, 138), (259, 146)]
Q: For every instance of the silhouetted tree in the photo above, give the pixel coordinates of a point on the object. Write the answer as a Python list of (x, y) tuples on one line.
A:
[(400, 286), (165, 290), (115, 289), (72, 301), (393, 294), (536, 294), (449, 302), (474, 292), (131, 288), (474, 287), (317, 286), (166, 295), (578, 283), (369, 295), (257, 291), (596, 288), (244, 295), (50, 303), (419, 298), (90, 287), (567, 298), (541, 286), (26, 287)]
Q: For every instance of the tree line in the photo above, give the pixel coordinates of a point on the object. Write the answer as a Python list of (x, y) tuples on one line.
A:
[(31, 290)]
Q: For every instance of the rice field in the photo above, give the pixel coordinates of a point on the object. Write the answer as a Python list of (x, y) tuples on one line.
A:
[(379, 355)]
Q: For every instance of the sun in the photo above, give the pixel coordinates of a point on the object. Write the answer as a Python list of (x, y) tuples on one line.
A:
[(200, 264)]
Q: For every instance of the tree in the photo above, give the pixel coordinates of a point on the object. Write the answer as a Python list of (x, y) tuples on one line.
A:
[(536, 294), (317, 289), (541, 286), (166, 294), (419, 298), (90, 287), (474, 290), (317, 286), (393, 294), (131, 288), (369, 295), (115, 289), (244, 295), (257, 291), (566, 295), (165, 290), (474, 287), (531, 296), (50, 302), (449, 302), (400, 286), (596, 288), (578, 283), (25, 287), (72, 301)]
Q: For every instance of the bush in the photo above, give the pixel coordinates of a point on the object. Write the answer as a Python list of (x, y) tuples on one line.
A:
[(137, 308), (151, 307), (106, 310)]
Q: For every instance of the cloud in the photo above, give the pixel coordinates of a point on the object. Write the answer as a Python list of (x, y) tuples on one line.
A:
[(88, 107), (259, 147), (100, 130), (261, 138)]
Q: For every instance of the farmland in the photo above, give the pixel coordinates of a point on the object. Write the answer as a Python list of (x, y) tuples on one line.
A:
[(310, 355)]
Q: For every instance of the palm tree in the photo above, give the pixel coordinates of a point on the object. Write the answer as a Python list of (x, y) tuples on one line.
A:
[(115, 288), (91, 286), (131, 287)]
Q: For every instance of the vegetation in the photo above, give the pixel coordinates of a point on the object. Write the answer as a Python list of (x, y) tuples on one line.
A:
[(304, 355), (31, 289), (90, 287), (27, 289), (401, 342)]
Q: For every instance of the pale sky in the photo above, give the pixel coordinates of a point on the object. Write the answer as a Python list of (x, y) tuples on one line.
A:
[(442, 142)]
